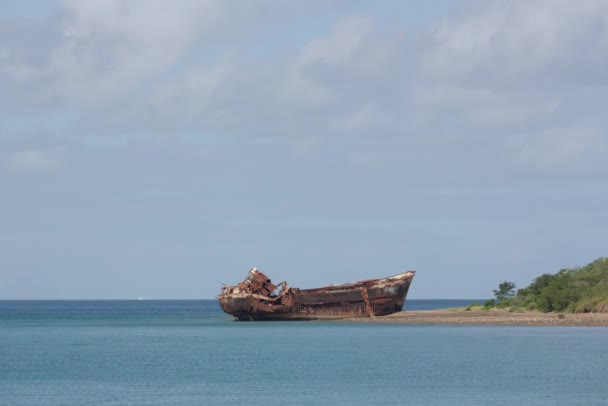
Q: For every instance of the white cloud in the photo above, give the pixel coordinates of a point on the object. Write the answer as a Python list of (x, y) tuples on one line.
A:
[(496, 69), (365, 118), (35, 160), (505, 41), (569, 150), (511, 113), (109, 46), (336, 48)]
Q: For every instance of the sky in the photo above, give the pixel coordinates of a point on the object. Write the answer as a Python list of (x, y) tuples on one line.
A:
[(159, 149)]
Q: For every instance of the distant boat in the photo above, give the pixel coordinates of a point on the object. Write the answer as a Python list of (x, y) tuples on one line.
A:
[(257, 298)]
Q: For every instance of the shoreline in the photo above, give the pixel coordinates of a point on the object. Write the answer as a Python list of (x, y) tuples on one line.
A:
[(497, 317)]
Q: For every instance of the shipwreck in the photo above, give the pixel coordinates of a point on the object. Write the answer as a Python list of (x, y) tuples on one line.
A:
[(257, 298)]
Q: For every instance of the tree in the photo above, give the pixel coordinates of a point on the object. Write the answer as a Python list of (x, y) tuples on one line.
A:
[(506, 290)]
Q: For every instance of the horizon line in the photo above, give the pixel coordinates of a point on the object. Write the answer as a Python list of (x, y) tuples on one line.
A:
[(184, 299)]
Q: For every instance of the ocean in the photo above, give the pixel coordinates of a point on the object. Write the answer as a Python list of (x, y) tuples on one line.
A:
[(190, 353)]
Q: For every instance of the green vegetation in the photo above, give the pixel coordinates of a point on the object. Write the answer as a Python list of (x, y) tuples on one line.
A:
[(578, 290), (489, 304), (506, 290), (474, 307)]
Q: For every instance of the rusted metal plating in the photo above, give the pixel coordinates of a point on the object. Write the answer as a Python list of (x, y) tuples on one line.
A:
[(257, 298)]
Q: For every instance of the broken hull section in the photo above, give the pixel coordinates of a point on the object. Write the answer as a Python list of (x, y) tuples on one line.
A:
[(370, 298)]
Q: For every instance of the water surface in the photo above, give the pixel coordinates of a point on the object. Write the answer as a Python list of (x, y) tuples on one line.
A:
[(189, 352)]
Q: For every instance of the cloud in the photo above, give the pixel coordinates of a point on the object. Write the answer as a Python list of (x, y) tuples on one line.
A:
[(498, 70), (365, 118), (111, 46), (336, 48), (502, 43), (571, 151), (531, 75), (35, 160)]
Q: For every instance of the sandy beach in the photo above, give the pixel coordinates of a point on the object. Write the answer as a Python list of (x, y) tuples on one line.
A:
[(495, 317)]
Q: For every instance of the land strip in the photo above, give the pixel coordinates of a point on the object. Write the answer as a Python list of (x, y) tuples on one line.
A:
[(495, 317)]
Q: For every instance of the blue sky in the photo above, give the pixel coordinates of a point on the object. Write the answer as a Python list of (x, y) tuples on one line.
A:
[(156, 150)]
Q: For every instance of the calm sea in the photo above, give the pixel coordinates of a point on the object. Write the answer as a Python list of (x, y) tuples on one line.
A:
[(190, 353)]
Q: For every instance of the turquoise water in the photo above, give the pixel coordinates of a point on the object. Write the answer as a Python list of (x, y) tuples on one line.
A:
[(189, 353)]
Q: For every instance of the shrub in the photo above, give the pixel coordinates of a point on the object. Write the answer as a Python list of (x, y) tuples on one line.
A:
[(574, 290), (488, 304)]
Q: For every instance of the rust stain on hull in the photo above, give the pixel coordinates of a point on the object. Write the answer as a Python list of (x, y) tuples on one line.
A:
[(257, 298)]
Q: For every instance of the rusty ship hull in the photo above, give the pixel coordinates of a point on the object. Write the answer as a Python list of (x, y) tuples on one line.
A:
[(257, 298)]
